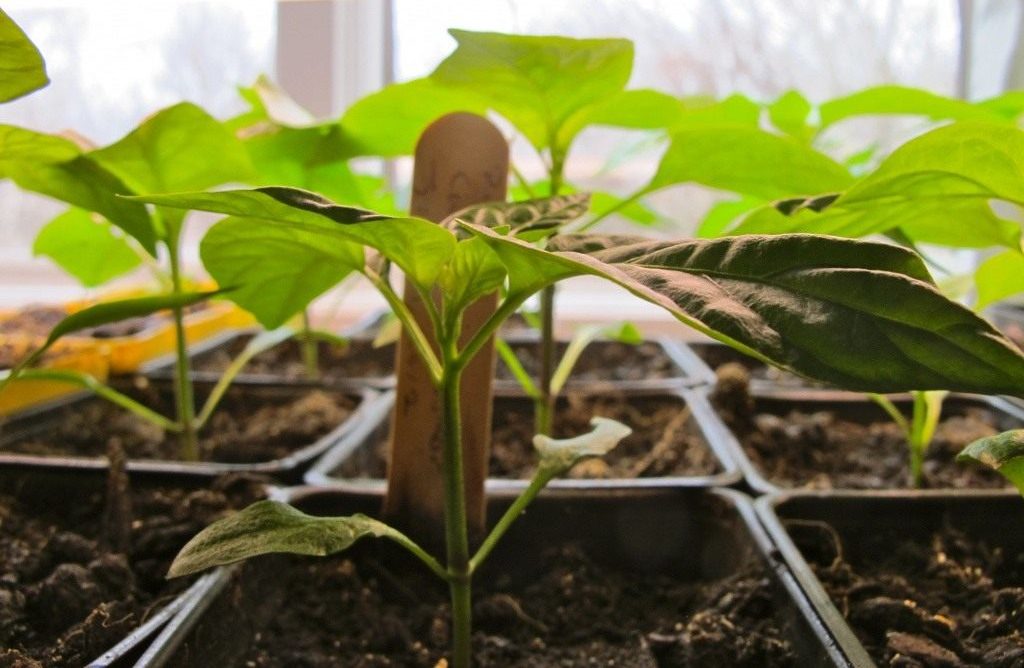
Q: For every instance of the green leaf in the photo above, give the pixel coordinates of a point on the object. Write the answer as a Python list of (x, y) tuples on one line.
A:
[(1003, 452), (272, 103), (999, 277), (474, 271), (537, 83), (388, 123), (1009, 105), (22, 69), (747, 161), (86, 247), (859, 315), (790, 113), (179, 148), (902, 100), (104, 313), (85, 184), (935, 188), (21, 145), (635, 211), (722, 214), (271, 526), (639, 109), (278, 269), (419, 247), (559, 455), (735, 109)]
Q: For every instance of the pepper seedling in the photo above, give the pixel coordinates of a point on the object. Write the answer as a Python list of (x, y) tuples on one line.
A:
[(857, 314)]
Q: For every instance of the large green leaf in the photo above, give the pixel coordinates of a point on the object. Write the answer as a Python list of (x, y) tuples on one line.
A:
[(21, 65), (641, 109), (537, 83), (278, 269), (271, 526), (474, 271), (736, 109), (859, 315), (999, 277), (389, 122), (791, 113), (420, 248), (21, 145), (904, 100), (179, 148), (747, 161), (86, 247), (1003, 452), (83, 183), (936, 188), (527, 219)]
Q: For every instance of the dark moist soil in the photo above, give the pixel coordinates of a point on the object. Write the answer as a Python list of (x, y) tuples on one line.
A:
[(950, 603), (665, 440), (65, 599), (601, 361), (355, 612), (359, 359), (821, 450), (248, 426)]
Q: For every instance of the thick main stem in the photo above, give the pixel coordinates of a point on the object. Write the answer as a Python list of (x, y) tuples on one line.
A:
[(183, 395), (456, 532)]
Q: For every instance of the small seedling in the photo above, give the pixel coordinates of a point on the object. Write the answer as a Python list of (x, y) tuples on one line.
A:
[(919, 429), (833, 309)]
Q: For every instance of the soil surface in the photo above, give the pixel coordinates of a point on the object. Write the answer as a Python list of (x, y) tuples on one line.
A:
[(357, 612), (65, 597), (950, 602), (825, 450), (250, 425), (601, 361), (665, 440), (359, 359)]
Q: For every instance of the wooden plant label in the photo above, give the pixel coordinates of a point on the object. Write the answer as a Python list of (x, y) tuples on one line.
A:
[(461, 160)]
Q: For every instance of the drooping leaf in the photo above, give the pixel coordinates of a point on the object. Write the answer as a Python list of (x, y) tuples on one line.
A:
[(537, 83), (903, 100), (271, 526), (179, 148), (22, 145), (999, 277), (419, 247), (86, 247), (388, 123), (859, 315), (278, 269), (559, 455), (22, 70), (747, 161), (791, 114), (85, 184), (105, 313), (1003, 452)]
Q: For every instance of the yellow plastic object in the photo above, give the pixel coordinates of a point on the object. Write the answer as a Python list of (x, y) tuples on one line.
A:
[(83, 355)]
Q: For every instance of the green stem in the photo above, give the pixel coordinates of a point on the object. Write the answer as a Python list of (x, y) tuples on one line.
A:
[(539, 482), (522, 181), (416, 335), (544, 404), (516, 367), (310, 349), (261, 342), (456, 532), (421, 554), (183, 393)]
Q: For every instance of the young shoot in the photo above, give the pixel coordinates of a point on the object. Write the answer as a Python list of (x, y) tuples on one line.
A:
[(783, 299), (919, 430)]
